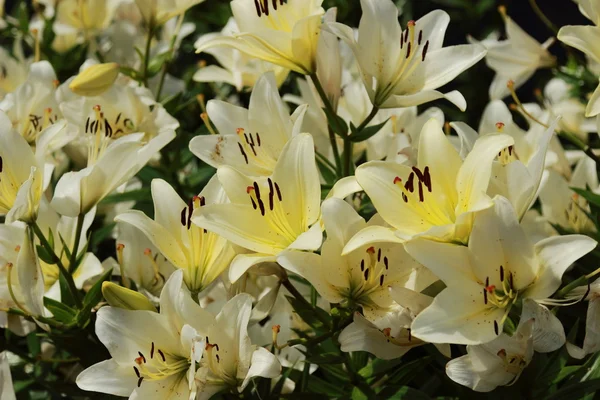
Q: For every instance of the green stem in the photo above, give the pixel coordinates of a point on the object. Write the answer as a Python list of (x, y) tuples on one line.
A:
[(580, 144), (347, 159), (369, 118), (68, 277), (543, 17), (322, 94), (147, 53), (75, 250), (336, 151), (582, 280), (169, 58), (292, 289)]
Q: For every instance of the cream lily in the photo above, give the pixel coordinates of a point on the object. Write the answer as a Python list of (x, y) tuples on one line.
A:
[(13, 70), (390, 336), (252, 139), (585, 38), (497, 363), (515, 59), (282, 33), (236, 68), (154, 355), (22, 173), (437, 197), (361, 277), (483, 281), (230, 360), (202, 255), (7, 390), (89, 16), (157, 12), (404, 68), (591, 341), (269, 214)]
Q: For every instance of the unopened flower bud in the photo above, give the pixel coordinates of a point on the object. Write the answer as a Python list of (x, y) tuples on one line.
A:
[(95, 80), (121, 297)]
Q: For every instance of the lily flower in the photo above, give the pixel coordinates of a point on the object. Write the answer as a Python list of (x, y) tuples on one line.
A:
[(22, 173), (484, 280), (390, 336), (562, 206), (236, 68), (32, 107), (157, 12), (110, 162), (591, 341), (230, 360), (7, 390), (154, 355), (90, 16), (13, 69), (516, 58), (250, 140), (497, 363), (403, 68), (437, 197), (284, 33), (585, 39), (139, 260), (269, 214), (202, 255), (362, 276)]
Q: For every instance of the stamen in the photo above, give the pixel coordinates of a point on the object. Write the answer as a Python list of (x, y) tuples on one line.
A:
[(162, 355), (496, 329), (152, 351), (140, 381), (424, 52), (501, 273), (499, 126), (137, 372), (420, 38)]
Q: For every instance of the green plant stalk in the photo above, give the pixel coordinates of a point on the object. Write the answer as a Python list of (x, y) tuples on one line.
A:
[(68, 277), (292, 289), (74, 251), (170, 58), (147, 54), (580, 145)]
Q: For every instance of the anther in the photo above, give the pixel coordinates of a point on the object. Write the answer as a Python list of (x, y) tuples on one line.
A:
[(496, 327), (501, 273), (137, 372), (152, 348), (142, 356), (162, 355), (424, 52)]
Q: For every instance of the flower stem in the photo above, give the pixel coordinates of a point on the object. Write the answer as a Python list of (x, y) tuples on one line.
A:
[(78, 229), (369, 118), (543, 17), (292, 289), (68, 277), (147, 54), (169, 57), (580, 144)]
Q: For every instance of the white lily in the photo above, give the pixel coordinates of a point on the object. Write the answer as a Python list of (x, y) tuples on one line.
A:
[(7, 391), (517, 173), (516, 58), (269, 214), (571, 110), (362, 276), (237, 68), (483, 281), (390, 336), (398, 138), (404, 68), (202, 255), (282, 33), (435, 198), (154, 355), (32, 107), (89, 16), (119, 111), (230, 359), (591, 341), (497, 363), (585, 38), (13, 70), (250, 140), (156, 12), (22, 173), (139, 260), (561, 206)]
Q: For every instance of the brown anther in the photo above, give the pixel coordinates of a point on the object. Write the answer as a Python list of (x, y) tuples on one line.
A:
[(208, 346), (239, 131), (397, 179), (276, 328), (249, 189), (387, 331), (97, 107), (510, 84), (18, 247), (371, 250), (501, 353)]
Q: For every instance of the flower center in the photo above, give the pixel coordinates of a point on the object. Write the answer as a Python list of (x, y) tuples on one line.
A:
[(103, 131), (404, 339), (251, 149), (262, 6), (159, 365), (213, 360), (274, 215), (513, 363), (35, 124), (9, 187), (500, 297), (374, 271)]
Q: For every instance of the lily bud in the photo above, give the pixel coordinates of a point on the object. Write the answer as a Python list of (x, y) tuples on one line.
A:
[(121, 297), (95, 80)]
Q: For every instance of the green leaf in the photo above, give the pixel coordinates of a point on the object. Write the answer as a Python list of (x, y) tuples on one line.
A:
[(326, 358), (408, 393), (308, 314), (157, 62), (366, 133), (408, 371), (326, 172), (92, 298), (337, 124), (591, 197), (565, 373), (44, 255), (132, 195), (130, 72), (62, 312), (378, 367), (576, 391), (65, 293)]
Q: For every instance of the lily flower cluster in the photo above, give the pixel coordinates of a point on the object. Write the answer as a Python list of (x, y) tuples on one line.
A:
[(322, 226)]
